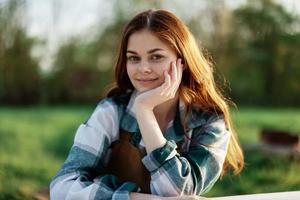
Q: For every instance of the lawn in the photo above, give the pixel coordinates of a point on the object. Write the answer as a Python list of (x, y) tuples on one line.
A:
[(34, 141)]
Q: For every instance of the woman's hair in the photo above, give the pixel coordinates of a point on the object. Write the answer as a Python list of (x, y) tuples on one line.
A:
[(197, 87)]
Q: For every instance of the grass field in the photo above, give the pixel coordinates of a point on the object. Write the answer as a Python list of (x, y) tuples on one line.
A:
[(35, 141)]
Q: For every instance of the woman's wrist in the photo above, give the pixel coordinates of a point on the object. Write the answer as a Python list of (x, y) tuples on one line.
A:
[(141, 109), (151, 133)]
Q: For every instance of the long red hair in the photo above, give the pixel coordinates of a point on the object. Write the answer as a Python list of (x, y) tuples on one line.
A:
[(197, 87)]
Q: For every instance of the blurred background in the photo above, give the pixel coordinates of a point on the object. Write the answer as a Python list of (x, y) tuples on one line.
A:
[(56, 63)]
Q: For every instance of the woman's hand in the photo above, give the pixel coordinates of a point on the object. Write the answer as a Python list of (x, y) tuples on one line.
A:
[(151, 98)]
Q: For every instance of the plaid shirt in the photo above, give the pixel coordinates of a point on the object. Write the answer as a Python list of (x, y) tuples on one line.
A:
[(195, 171)]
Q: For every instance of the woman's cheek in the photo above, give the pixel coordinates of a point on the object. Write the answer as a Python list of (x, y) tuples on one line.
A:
[(130, 70), (163, 65)]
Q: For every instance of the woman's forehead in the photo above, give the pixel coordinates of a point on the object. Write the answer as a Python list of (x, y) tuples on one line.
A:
[(145, 41)]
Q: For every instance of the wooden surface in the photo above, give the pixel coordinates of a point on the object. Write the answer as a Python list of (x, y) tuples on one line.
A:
[(295, 195)]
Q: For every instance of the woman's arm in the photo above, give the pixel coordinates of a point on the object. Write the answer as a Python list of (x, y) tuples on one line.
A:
[(151, 133), (195, 172), (77, 179)]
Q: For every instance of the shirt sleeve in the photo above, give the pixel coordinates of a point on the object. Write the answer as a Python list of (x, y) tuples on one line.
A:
[(82, 175), (195, 172)]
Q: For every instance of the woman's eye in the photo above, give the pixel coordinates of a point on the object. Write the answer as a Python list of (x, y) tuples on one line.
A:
[(133, 58), (156, 57)]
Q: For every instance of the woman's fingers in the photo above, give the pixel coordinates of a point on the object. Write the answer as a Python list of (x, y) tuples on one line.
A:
[(179, 71), (172, 88), (174, 72), (166, 85), (172, 80), (177, 76)]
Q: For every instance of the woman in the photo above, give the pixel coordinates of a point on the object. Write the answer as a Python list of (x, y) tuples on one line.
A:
[(164, 129)]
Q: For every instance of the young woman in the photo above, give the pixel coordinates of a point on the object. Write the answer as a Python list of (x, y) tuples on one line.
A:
[(164, 129)]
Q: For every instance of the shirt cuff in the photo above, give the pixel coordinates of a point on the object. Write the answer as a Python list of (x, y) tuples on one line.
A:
[(159, 156), (122, 193)]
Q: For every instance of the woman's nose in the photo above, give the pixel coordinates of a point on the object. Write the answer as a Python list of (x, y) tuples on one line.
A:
[(145, 67)]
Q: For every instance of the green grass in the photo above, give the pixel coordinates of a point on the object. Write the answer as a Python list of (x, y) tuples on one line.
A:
[(33, 144), (250, 121), (262, 173), (35, 141)]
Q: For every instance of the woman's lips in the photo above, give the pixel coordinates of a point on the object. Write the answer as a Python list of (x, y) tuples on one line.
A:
[(146, 81)]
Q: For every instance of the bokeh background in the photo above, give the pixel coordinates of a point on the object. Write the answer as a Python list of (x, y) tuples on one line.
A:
[(56, 63)]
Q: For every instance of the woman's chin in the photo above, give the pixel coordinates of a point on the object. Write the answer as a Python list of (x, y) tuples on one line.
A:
[(144, 89)]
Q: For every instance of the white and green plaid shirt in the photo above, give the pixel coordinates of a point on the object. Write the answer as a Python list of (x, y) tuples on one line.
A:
[(195, 171)]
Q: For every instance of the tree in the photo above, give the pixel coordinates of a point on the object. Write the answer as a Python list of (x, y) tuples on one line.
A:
[(264, 59), (20, 75), (75, 76), (82, 71)]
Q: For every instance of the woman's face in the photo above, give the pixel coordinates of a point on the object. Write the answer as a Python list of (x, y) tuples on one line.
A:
[(147, 59)]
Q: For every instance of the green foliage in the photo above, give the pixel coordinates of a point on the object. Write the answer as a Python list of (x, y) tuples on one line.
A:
[(255, 47), (264, 66), (20, 76), (83, 69), (76, 76)]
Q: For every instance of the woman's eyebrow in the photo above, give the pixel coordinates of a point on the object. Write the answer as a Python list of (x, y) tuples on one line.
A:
[(133, 52), (150, 51), (154, 50)]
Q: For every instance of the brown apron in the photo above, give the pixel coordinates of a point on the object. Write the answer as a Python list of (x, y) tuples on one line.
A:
[(125, 162)]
